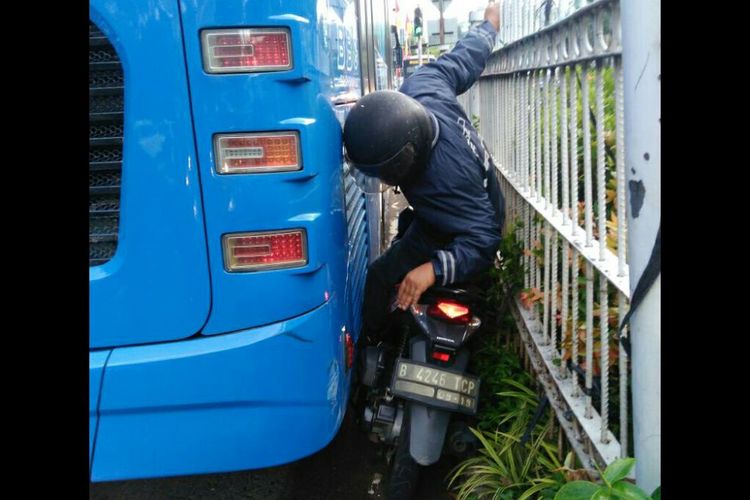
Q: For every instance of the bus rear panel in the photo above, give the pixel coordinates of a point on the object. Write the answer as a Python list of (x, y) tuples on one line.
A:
[(228, 241)]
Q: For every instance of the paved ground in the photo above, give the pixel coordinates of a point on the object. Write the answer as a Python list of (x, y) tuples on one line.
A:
[(349, 468), (345, 469)]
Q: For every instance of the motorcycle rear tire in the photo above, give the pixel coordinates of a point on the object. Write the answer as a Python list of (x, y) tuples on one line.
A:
[(403, 477)]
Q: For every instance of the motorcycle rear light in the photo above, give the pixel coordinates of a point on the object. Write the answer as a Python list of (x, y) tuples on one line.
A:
[(256, 153), (265, 250), (452, 312), (441, 356), (246, 50)]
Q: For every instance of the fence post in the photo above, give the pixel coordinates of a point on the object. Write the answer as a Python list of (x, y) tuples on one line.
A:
[(641, 42)]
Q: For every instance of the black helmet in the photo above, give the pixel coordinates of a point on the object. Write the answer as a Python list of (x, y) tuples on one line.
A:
[(389, 135)]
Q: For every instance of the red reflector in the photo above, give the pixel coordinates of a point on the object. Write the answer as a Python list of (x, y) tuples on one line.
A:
[(267, 250), (245, 50), (349, 351), (452, 312), (441, 356), (266, 152)]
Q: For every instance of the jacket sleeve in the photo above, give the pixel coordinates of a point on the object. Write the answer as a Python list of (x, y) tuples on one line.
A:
[(467, 255), (460, 68), (476, 239)]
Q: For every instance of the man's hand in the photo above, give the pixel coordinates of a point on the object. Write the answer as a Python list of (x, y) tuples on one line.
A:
[(414, 284), (492, 14)]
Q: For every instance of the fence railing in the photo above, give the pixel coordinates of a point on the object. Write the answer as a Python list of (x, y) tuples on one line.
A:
[(551, 108), (523, 18)]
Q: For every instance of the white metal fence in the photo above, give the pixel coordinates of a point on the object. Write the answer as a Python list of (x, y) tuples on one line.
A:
[(551, 108)]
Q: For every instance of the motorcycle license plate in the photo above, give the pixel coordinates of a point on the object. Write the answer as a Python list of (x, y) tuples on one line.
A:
[(437, 387)]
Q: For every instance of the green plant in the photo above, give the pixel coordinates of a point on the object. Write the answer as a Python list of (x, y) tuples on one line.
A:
[(495, 363), (510, 269), (615, 485), (508, 465), (507, 275), (475, 122)]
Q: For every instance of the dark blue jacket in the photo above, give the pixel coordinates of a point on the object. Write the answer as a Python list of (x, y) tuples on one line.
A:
[(458, 195)]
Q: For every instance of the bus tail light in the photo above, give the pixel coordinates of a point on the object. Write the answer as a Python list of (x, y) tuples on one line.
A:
[(265, 250), (246, 50), (250, 153)]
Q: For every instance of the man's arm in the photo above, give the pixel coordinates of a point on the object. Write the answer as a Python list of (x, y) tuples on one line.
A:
[(472, 250), (414, 285), (477, 236), (460, 68), (469, 253)]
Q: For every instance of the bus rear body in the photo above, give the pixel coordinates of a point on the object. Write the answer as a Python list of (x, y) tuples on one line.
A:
[(228, 242)]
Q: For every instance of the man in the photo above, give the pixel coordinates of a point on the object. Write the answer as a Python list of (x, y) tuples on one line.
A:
[(421, 140)]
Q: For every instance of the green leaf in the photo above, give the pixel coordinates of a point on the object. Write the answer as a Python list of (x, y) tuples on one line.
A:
[(577, 490), (603, 493), (539, 486), (628, 491), (490, 449), (570, 460), (618, 470), (656, 495)]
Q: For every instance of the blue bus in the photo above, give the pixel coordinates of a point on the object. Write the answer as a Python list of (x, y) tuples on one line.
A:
[(228, 241)]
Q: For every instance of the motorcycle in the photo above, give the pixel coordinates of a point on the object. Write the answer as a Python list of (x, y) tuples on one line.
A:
[(418, 394)]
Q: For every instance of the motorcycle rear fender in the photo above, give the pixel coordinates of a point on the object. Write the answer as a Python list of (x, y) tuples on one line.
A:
[(427, 425)]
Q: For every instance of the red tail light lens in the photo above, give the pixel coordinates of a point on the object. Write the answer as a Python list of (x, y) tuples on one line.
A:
[(452, 312), (246, 50), (266, 250), (441, 356), (255, 153)]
